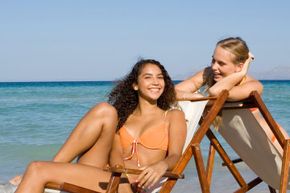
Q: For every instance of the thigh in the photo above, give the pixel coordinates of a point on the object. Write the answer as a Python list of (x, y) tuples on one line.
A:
[(91, 138), (98, 154), (82, 175)]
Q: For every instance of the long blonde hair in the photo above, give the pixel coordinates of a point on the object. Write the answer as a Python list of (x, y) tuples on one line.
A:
[(235, 45), (238, 47)]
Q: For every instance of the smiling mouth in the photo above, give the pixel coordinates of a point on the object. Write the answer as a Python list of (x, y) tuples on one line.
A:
[(155, 89), (217, 76)]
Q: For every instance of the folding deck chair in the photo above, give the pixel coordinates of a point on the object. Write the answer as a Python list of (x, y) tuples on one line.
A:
[(193, 112), (244, 134)]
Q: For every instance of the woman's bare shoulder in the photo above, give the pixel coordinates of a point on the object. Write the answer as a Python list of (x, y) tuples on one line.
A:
[(175, 114), (254, 83)]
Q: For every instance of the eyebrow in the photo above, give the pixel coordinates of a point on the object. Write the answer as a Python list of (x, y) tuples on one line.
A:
[(219, 61), (152, 74)]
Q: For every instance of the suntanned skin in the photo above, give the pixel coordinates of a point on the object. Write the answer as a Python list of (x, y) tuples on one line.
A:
[(227, 75), (231, 77), (100, 124), (92, 137)]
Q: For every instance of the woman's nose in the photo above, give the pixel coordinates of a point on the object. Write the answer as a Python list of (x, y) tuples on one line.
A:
[(214, 65), (155, 80)]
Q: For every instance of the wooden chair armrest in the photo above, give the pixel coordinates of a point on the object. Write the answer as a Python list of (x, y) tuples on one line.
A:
[(54, 186), (199, 99), (69, 188), (120, 169)]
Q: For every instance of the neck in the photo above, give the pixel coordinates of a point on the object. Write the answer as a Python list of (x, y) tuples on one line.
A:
[(146, 107)]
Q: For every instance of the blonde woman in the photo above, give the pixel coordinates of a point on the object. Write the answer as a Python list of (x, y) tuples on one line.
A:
[(229, 70)]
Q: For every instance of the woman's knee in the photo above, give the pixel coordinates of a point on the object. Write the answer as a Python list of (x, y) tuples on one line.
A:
[(106, 109), (35, 168), (107, 112)]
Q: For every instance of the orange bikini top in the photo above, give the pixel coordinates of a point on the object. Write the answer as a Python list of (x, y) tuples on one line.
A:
[(155, 137)]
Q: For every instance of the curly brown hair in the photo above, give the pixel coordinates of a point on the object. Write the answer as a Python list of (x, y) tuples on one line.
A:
[(125, 99)]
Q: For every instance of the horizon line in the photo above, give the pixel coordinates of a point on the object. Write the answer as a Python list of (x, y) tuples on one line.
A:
[(76, 81)]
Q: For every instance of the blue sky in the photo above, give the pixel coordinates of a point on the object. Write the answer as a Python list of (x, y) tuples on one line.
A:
[(66, 40)]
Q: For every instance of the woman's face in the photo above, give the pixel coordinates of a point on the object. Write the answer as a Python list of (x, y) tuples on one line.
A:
[(222, 63), (150, 83)]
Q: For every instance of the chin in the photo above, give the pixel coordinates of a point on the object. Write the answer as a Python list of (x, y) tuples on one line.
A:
[(154, 98), (218, 78)]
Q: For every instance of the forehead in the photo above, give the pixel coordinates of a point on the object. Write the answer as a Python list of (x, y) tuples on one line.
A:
[(221, 54), (150, 69)]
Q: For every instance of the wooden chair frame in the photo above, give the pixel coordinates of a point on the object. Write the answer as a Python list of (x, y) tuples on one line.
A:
[(176, 173), (254, 101), (193, 149)]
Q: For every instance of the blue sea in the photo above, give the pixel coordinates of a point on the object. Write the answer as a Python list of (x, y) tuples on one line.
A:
[(36, 118)]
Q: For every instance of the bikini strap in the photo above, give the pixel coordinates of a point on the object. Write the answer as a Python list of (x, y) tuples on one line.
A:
[(165, 113), (172, 108), (243, 80)]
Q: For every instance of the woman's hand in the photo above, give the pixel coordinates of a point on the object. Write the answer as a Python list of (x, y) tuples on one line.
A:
[(151, 174), (247, 63)]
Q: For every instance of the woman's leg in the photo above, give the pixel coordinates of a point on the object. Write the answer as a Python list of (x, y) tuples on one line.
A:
[(92, 137), (40, 173)]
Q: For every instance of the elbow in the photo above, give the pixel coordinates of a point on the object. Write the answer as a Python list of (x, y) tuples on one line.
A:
[(178, 90), (171, 161)]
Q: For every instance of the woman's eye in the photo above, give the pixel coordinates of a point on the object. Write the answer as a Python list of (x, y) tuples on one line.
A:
[(221, 63)]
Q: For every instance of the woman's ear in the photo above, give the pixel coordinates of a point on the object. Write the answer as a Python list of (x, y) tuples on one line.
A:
[(135, 86), (239, 67)]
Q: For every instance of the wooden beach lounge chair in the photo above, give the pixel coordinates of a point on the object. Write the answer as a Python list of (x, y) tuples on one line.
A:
[(248, 139), (193, 112)]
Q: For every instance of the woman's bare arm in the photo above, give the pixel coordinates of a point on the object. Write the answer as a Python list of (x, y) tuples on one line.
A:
[(177, 134), (239, 84), (186, 89)]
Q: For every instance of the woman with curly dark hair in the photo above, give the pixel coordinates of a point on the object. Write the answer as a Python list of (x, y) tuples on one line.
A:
[(140, 108), (125, 99)]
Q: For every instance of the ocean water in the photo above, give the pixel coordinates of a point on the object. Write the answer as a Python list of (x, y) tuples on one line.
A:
[(36, 118)]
